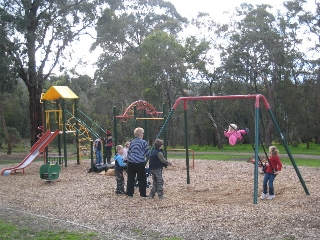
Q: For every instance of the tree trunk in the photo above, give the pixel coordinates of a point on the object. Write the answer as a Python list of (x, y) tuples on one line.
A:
[(35, 112), (216, 134), (5, 130)]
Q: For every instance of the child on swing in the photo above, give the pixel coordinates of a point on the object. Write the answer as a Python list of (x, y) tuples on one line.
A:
[(272, 170), (233, 134)]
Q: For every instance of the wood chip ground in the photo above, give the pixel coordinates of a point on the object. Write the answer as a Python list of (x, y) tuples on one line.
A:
[(217, 204)]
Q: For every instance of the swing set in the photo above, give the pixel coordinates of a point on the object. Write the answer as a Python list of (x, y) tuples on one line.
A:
[(257, 98), (263, 162)]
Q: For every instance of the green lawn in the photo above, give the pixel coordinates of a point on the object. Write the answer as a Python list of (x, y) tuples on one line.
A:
[(242, 152), (12, 232)]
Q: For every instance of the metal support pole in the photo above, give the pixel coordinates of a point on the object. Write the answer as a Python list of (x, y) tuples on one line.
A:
[(77, 127), (186, 139), (256, 156), (165, 140), (289, 152), (115, 133), (91, 153), (64, 131)]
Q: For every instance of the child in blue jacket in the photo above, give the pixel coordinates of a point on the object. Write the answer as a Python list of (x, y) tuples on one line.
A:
[(118, 169)]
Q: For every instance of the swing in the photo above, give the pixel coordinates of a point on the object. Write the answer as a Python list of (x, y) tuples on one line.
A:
[(232, 133), (262, 163)]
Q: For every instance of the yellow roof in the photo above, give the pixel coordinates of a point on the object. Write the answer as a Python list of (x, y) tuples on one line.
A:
[(56, 92)]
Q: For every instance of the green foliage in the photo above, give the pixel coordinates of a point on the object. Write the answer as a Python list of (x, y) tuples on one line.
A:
[(143, 57)]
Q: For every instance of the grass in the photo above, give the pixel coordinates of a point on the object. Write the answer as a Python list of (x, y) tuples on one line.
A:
[(313, 149), (242, 152), (10, 232), (226, 157)]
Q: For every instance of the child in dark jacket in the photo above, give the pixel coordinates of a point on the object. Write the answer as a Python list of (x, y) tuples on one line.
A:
[(118, 169), (108, 148), (156, 164)]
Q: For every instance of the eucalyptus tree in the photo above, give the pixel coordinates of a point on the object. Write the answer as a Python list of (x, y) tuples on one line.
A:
[(7, 85), (309, 21), (163, 67), (35, 35), (120, 33), (262, 53)]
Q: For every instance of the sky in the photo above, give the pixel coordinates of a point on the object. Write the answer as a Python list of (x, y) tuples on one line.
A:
[(216, 8), (189, 9)]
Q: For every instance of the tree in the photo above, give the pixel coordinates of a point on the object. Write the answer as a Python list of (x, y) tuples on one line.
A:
[(36, 36), (7, 85), (262, 53), (121, 30), (310, 21)]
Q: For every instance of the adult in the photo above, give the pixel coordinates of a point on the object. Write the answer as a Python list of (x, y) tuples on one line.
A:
[(137, 154)]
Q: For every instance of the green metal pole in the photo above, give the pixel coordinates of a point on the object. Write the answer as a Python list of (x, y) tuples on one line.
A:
[(58, 102), (45, 126), (165, 140), (64, 131), (135, 116), (289, 152), (256, 156), (186, 140), (77, 127), (91, 153), (145, 125), (115, 132)]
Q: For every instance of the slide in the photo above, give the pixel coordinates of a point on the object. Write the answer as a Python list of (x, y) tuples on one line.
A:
[(37, 148)]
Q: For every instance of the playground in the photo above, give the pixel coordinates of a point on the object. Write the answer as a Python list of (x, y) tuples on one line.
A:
[(216, 204), (211, 200)]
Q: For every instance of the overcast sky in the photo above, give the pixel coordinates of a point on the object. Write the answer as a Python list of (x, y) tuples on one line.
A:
[(216, 8)]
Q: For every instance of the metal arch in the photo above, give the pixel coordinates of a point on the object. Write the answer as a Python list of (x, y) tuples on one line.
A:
[(141, 105)]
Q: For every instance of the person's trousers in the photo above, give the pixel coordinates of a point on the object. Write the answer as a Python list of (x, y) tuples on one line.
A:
[(268, 177), (157, 182), (98, 157), (120, 181), (136, 169)]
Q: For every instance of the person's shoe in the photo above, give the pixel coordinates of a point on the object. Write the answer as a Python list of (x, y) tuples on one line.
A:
[(150, 196), (271, 197), (162, 197), (120, 192), (129, 196), (264, 195), (144, 196)]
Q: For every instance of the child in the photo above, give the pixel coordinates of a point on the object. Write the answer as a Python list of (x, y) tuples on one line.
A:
[(233, 134), (156, 164), (108, 148), (118, 169), (272, 170), (125, 151)]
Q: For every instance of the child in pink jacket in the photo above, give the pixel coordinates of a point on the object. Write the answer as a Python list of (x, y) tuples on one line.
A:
[(233, 134)]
